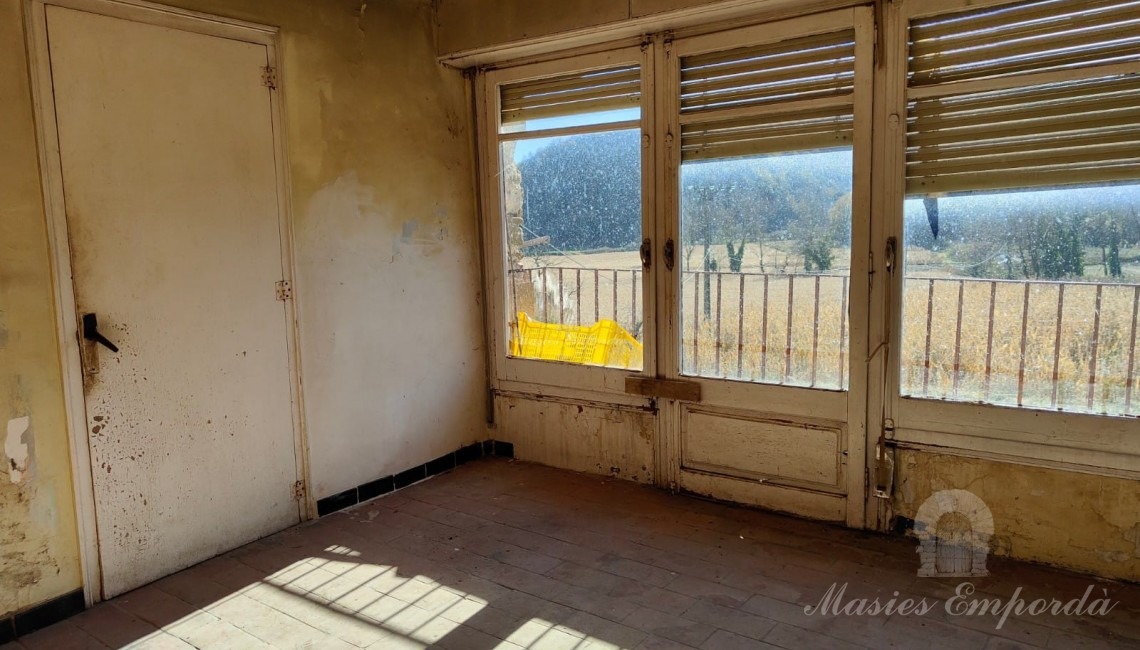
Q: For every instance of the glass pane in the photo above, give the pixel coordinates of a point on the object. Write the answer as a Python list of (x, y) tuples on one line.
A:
[(1024, 298), (766, 257), (573, 222), (580, 119)]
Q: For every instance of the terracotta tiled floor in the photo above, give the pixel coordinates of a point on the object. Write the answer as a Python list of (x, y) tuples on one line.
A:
[(499, 554)]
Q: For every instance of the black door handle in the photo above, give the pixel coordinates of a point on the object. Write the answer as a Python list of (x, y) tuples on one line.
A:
[(91, 332)]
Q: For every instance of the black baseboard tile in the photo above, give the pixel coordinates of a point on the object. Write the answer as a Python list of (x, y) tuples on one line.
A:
[(504, 449), (441, 464), (382, 486), (469, 453), (42, 615), (338, 501), (373, 489), (409, 476)]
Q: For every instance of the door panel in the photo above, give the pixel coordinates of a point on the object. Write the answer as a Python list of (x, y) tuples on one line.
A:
[(167, 152), (771, 221), (763, 447)]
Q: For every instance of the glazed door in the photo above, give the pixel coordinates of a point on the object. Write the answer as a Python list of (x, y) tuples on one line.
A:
[(766, 280)]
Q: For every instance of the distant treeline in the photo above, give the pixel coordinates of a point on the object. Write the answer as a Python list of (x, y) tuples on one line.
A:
[(584, 193)]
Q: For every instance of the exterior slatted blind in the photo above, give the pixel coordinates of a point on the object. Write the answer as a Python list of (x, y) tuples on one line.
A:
[(1003, 132), (572, 94), (730, 101)]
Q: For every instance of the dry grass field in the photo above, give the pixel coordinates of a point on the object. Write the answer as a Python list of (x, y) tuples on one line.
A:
[(792, 327)]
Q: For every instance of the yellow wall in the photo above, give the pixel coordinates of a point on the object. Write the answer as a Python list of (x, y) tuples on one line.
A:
[(1080, 521), (470, 24), (39, 551), (387, 254)]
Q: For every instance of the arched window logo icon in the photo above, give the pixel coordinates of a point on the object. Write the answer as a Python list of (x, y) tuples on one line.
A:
[(954, 528)]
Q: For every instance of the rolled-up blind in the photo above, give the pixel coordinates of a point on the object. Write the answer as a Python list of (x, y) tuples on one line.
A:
[(978, 120), (731, 100), (571, 94)]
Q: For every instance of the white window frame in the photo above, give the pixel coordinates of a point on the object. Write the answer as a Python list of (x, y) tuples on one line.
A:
[(513, 373), (1100, 444)]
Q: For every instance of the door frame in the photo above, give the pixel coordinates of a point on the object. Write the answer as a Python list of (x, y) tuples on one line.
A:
[(60, 251), (728, 396)]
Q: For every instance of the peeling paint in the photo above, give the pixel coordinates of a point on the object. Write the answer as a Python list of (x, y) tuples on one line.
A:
[(16, 449)]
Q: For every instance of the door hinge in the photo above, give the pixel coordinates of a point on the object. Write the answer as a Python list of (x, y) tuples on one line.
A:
[(269, 77), (889, 428), (299, 491), (284, 290)]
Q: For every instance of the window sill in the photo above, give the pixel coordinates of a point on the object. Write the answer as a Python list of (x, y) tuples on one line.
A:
[(1094, 444)]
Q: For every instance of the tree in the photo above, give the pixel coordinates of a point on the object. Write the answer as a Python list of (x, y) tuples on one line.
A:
[(1050, 246), (1112, 262)]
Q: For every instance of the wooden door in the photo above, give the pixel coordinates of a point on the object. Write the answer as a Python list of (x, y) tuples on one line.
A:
[(170, 190)]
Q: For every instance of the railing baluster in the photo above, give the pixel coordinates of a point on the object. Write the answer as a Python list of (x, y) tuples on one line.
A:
[(597, 287), (1131, 353), (764, 334), (788, 341), (1094, 345), (1021, 347), (1057, 343), (740, 331), (990, 341), (696, 321), (578, 296), (958, 338), (815, 333), (545, 297), (929, 320), (633, 299), (561, 305), (842, 330), (718, 341), (615, 292), (513, 315)]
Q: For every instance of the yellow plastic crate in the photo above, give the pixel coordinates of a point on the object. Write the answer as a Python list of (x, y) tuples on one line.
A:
[(605, 343)]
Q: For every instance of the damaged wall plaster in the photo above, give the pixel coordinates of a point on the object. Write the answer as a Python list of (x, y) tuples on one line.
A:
[(1079, 521), (39, 547), (16, 449)]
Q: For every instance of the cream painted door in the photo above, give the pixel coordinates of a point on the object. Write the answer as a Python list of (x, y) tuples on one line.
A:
[(167, 152), (768, 295)]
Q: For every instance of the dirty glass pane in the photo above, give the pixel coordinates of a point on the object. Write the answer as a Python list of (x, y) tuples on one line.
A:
[(1023, 298), (765, 256), (572, 210), (584, 119)]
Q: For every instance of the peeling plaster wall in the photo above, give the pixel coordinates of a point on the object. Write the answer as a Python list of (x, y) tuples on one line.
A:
[(387, 265), (1080, 521), (39, 549)]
